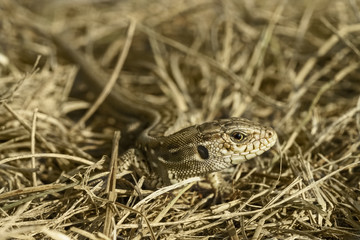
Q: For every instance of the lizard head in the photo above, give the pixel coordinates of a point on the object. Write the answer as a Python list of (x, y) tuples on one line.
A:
[(236, 140), (213, 146)]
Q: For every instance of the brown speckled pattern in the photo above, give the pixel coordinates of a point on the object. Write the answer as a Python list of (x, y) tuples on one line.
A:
[(175, 157)]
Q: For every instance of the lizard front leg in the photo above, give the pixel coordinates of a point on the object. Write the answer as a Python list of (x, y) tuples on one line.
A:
[(133, 159)]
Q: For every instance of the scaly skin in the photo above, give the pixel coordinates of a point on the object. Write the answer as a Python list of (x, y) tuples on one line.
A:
[(194, 151), (206, 148)]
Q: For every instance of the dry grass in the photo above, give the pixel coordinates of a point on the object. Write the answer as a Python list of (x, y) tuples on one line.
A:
[(293, 65)]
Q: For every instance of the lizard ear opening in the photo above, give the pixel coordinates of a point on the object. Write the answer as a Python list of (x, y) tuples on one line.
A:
[(203, 152)]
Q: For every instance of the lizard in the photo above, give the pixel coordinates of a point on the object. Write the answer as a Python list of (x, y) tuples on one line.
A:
[(167, 157), (197, 150)]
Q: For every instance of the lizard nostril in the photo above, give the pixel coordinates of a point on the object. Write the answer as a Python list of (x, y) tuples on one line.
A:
[(269, 134)]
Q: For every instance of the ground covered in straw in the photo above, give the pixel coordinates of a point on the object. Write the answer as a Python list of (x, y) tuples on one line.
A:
[(293, 65)]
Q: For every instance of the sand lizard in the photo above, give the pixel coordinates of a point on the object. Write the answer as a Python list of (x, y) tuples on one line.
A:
[(202, 149), (197, 150)]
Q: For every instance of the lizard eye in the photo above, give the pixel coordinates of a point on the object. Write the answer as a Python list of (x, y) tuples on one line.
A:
[(238, 136)]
